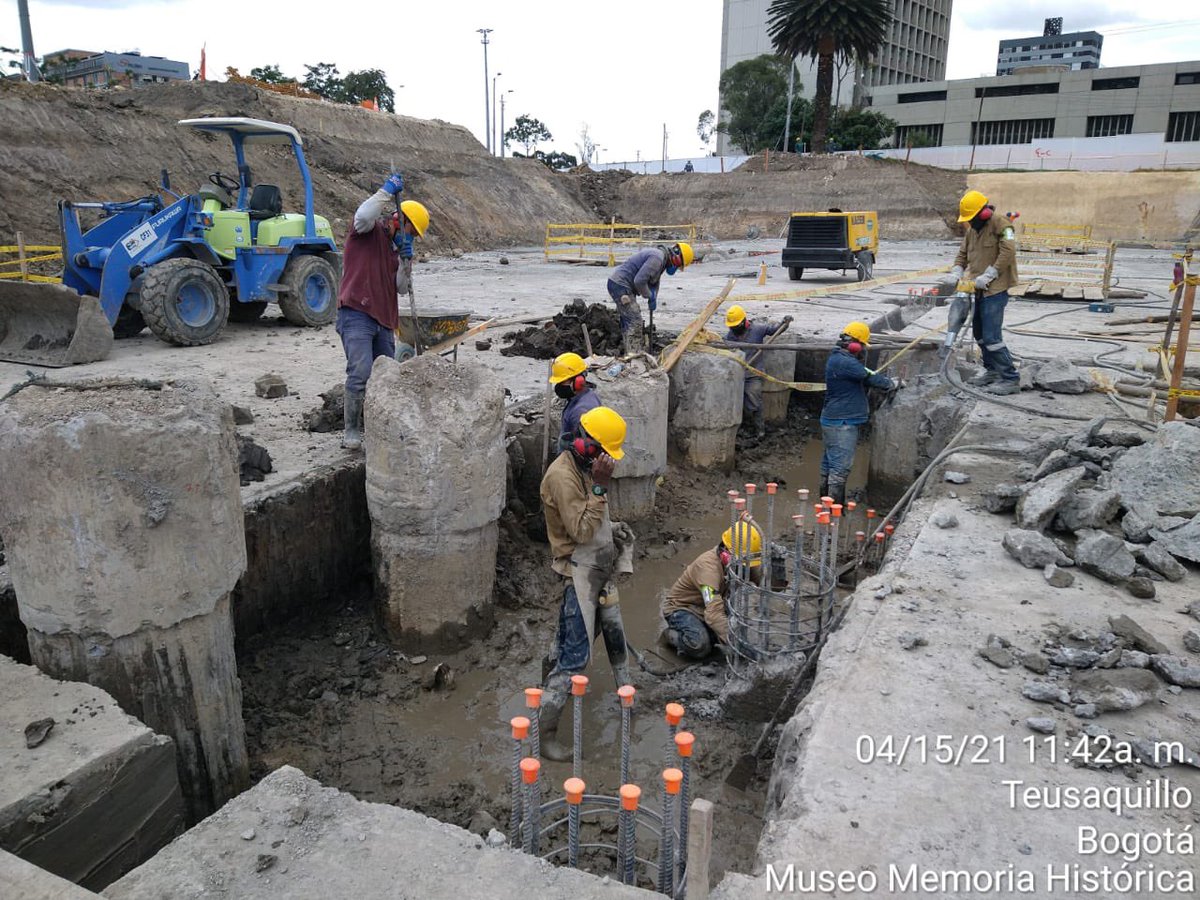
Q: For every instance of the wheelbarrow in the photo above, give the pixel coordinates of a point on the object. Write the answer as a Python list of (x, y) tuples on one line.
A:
[(436, 327)]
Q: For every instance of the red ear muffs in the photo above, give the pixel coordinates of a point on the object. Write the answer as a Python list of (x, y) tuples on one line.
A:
[(985, 213), (578, 384), (586, 448), (396, 221), (725, 555), (854, 347)]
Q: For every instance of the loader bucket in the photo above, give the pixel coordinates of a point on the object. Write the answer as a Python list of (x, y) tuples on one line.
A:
[(51, 325)]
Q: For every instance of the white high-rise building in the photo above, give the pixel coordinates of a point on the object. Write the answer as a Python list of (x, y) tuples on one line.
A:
[(915, 49)]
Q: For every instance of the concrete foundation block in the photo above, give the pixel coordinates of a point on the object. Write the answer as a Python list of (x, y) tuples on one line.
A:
[(434, 594), (436, 473), (630, 499), (779, 364), (705, 409), (123, 570), (97, 797), (755, 696), (912, 429), (640, 394), (289, 838)]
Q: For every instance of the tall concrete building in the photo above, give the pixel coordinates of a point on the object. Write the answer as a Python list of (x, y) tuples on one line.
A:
[(1076, 50), (915, 49)]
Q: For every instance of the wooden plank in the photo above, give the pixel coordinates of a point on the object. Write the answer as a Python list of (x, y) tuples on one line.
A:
[(1017, 290), (1072, 292), (469, 333), (1091, 292), (689, 334)]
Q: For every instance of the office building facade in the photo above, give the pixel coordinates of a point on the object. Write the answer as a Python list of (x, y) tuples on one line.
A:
[(1076, 50), (85, 68)]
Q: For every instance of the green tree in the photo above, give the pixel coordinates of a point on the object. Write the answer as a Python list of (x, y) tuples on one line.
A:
[(271, 74), (324, 81), (802, 117), (749, 91), (369, 84), (705, 126), (527, 131), (854, 128), (825, 30)]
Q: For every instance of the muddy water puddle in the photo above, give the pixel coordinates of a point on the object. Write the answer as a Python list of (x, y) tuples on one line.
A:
[(330, 697)]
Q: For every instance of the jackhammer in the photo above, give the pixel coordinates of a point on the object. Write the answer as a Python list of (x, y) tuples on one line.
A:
[(960, 312)]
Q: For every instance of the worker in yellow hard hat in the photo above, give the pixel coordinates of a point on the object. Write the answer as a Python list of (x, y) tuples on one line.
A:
[(988, 257), (376, 265), (846, 410), (743, 330), (639, 276), (568, 374), (586, 546), (695, 607)]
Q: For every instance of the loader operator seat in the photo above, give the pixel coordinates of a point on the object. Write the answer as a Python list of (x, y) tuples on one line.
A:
[(265, 202)]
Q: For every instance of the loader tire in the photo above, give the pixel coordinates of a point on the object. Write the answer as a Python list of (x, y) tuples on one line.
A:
[(312, 289), (185, 302), (246, 312)]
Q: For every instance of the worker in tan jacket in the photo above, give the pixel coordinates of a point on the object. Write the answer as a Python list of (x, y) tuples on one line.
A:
[(575, 503), (988, 256), (694, 607)]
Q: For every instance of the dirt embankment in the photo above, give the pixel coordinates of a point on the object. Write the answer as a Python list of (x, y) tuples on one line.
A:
[(912, 202), (111, 145)]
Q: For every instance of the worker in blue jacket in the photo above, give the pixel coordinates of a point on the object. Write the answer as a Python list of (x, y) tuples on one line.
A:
[(639, 276), (743, 330), (846, 409), (568, 374)]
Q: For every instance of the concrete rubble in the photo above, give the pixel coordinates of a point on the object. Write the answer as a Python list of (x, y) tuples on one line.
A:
[(1061, 377)]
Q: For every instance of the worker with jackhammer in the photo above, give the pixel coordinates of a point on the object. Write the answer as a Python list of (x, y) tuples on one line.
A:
[(987, 256), (568, 374), (376, 268), (588, 551), (743, 330), (846, 409), (695, 607), (639, 276)]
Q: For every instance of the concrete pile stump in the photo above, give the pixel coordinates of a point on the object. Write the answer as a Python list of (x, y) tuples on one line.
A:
[(122, 522), (639, 393), (780, 364), (705, 409), (435, 489)]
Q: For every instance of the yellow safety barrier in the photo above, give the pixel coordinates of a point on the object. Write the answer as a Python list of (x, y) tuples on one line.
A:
[(1087, 277), (608, 243), (1050, 236), (18, 269)]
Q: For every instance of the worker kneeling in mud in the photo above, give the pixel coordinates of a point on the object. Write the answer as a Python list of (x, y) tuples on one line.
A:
[(588, 551), (568, 374), (744, 331), (694, 607)]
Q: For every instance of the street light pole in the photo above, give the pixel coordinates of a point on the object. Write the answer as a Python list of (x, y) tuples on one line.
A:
[(487, 113), (501, 140), (492, 123)]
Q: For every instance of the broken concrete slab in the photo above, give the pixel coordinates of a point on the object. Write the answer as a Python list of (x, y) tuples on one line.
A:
[(1141, 587), (1055, 461), (1135, 634), (270, 386), (915, 426), (1033, 549), (1191, 640), (1061, 377), (755, 696), (1163, 475), (20, 879), (1176, 670), (1158, 558), (1074, 657), (1042, 499), (1045, 692), (998, 652), (1136, 527), (343, 847), (1042, 724), (1111, 690), (1103, 555), (97, 796), (1088, 509), (1133, 659), (1182, 541), (1056, 577), (1002, 498)]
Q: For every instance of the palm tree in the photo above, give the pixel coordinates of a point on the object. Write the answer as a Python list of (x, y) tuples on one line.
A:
[(825, 30)]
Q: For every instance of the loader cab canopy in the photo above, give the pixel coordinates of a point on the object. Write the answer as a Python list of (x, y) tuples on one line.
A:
[(251, 131)]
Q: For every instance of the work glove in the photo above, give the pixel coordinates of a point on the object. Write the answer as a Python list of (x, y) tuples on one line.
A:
[(403, 244), (787, 320), (989, 275), (394, 184), (953, 277), (653, 301)]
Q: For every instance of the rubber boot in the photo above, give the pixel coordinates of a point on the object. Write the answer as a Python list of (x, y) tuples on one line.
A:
[(622, 676), (837, 490), (760, 424), (553, 703), (352, 420), (823, 490), (634, 338)]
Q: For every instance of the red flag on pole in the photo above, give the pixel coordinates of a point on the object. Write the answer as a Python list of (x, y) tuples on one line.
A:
[(202, 61)]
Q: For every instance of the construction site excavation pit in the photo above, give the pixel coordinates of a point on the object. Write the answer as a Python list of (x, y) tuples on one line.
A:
[(430, 730)]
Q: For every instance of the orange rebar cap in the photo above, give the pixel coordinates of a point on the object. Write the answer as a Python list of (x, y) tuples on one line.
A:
[(837, 510), (860, 536), (626, 692), (823, 519), (672, 779), (533, 697), (751, 488), (732, 494), (674, 713), (740, 503), (889, 529), (529, 769), (772, 487), (871, 513), (574, 788), (851, 505), (579, 685), (827, 502), (630, 794), (685, 742), (803, 492), (879, 536), (520, 727)]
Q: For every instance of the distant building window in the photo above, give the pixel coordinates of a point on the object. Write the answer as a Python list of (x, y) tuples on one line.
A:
[(1115, 84), (1187, 78), (919, 135), (921, 97), (1017, 90), (1012, 131), (1107, 126), (1183, 126)]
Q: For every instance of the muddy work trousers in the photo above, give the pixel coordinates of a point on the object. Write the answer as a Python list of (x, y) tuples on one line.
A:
[(572, 648), (752, 404), (689, 635), (987, 326)]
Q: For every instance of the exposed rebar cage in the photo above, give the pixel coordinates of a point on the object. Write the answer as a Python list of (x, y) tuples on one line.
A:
[(781, 597)]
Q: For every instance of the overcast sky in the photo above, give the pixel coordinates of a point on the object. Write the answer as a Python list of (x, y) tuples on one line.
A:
[(621, 67)]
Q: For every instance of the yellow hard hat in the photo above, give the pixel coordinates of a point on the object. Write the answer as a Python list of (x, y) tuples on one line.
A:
[(686, 253), (860, 331), (970, 205), (738, 544), (417, 214), (607, 427), (566, 365), (734, 316)]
